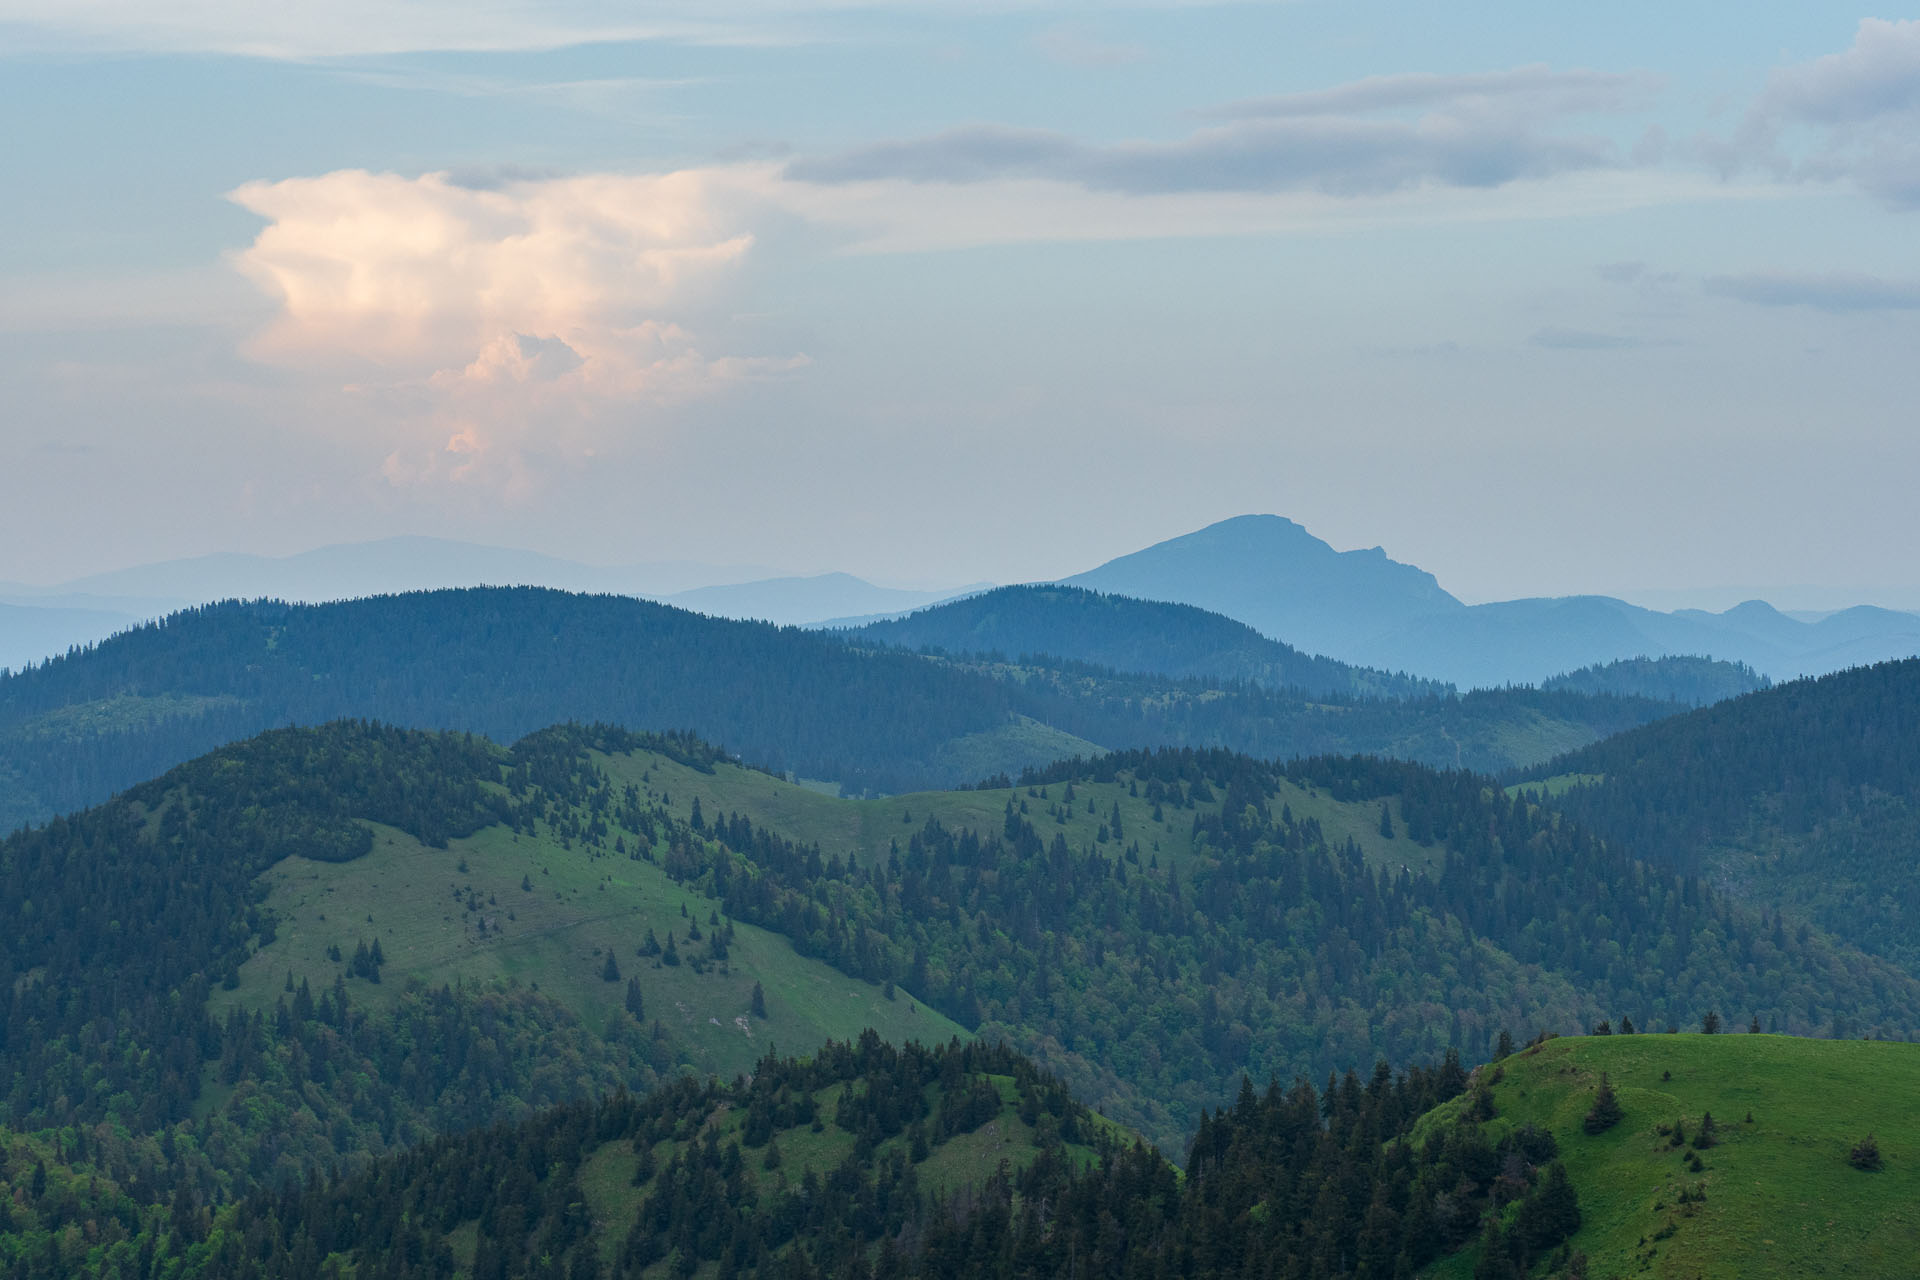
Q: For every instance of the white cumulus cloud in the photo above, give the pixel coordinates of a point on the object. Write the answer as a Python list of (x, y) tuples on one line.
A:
[(485, 320)]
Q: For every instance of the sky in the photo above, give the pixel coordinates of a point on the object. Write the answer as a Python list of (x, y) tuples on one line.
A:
[(1545, 299)]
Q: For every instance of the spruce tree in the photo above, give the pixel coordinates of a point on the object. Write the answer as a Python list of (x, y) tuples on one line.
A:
[(610, 971), (1606, 1111)]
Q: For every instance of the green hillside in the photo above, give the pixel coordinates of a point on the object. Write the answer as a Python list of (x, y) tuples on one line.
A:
[(867, 829), (460, 915), (1773, 1195), (1148, 926), (1797, 799), (325, 945)]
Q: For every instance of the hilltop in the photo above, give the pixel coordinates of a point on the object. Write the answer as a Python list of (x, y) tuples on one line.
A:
[(1271, 574), (1772, 1193), (1130, 635)]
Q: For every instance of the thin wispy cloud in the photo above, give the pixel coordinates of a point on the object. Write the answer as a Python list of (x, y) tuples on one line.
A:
[(1834, 292), (1075, 45), (1562, 339), (1472, 131), (1536, 88)]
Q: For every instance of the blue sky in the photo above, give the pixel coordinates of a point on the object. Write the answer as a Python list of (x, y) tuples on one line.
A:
[(1543, 300)]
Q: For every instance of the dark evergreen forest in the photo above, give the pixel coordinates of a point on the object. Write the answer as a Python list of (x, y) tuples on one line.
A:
[(1138, 636), (505, 662), (1801, 796), (1293, 1181)]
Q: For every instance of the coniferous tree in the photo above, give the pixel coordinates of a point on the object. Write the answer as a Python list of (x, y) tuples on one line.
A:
[(1606, 1111)]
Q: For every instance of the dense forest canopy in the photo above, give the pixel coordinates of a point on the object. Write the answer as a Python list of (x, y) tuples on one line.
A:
[(1695, 681), (1185, 929), (1140, 636), (504, 662), (1801, 796)]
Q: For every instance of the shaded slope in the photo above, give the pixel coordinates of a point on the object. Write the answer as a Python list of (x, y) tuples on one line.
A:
[(1694, 681), (505, 661), (1799, 796), (1132, 636), (1237, 917), (500, 662)]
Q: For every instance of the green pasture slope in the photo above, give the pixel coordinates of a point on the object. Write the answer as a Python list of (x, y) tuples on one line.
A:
[(866, 830), (1780, 1196), (426, 908), (965, 1160)]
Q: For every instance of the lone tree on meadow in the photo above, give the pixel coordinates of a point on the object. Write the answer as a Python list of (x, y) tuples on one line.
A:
[(1606, 1111), (610, 971), (1865, 1155), (759, 1001)]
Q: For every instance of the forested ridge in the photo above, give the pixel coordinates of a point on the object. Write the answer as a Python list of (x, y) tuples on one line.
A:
[(1275, 950), (1147, 985), (1800, 795), (504, 662), (1694, 681), (844, 1164), (1139, 636)]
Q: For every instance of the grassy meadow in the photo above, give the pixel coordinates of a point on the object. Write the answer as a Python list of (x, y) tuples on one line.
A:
[(1780, 1197)]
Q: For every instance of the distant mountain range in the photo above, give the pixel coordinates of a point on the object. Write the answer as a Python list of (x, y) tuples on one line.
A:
[(810, 601), (1360, 608), (1364, 608), (1273, 575), (38, 622), (29, 633), (379, 567)]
